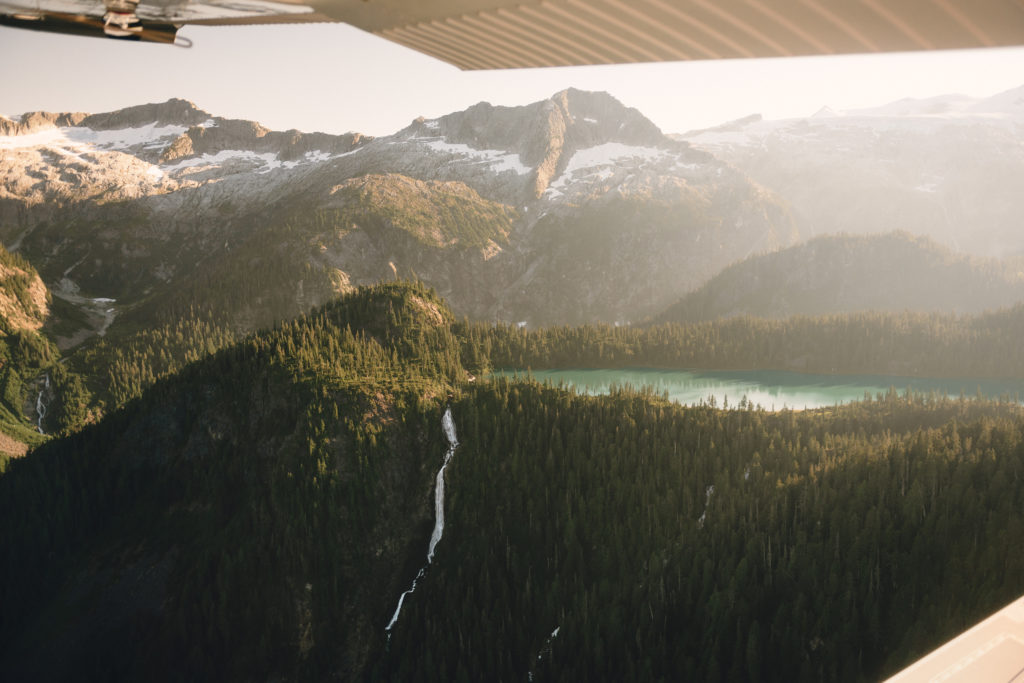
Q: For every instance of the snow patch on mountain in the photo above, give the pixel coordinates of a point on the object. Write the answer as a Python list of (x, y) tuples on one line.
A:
[(610, 153), (498, 160), (267, 159), (593, 163), (906, 116), (124, 138), (261, 162)]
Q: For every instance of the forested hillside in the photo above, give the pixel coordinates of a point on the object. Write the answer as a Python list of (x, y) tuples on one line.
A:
[(844, 273), (257, 514), (249, 517), (24, 351)]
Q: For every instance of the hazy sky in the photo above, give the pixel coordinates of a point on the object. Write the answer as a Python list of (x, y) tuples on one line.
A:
[(333, 78)]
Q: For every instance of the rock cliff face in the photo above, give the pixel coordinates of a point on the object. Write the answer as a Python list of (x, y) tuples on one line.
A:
[(575, 207), (545, 135), (24, 299)]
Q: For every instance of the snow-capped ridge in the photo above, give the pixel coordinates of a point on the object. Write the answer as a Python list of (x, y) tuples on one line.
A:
[(174, 111), (222, 135), (201, 177), (35, 121), (914, 107), (535, 141)]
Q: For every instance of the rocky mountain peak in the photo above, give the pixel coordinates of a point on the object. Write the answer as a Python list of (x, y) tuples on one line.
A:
[(34, 121), (603, 118), (213, 136), (589, 118), (578, 120), (545, 134), (173, 112)]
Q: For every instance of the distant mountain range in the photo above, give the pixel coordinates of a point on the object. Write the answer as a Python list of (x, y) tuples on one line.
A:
[(948, 167), (569, 210), (572, 209)]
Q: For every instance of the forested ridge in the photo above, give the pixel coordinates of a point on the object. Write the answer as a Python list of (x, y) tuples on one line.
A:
[(24, 352), (845, 273), (245, 517), (915, 344), (100, 377), (252, 509)]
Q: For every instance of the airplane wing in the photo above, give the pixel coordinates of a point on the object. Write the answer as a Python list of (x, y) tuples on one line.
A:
[(992, 650), (502, 34), (499, 34)]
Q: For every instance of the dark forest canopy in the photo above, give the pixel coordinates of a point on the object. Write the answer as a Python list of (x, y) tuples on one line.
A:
[(915, 344), (255, 514)]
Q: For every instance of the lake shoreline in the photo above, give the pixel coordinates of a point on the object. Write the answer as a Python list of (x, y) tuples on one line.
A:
[(766, 388)]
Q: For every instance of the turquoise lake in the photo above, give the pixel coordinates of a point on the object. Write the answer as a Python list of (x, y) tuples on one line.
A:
[(771, 389)]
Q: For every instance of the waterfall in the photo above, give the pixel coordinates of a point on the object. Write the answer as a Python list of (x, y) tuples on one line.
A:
[(453, 442), (40, 406), (707, 501), (448, 424), (544, 650)]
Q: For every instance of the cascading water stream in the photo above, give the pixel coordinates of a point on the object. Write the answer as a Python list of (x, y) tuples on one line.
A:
[(707, 501), (544, 650), (40, 406), (449, 431)]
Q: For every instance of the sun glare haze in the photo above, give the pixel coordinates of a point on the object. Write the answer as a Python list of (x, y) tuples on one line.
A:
[(334, 78)]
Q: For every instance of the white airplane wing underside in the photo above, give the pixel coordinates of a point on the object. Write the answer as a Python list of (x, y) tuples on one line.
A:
[(498, 34), (501, 34), (991, 651)]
